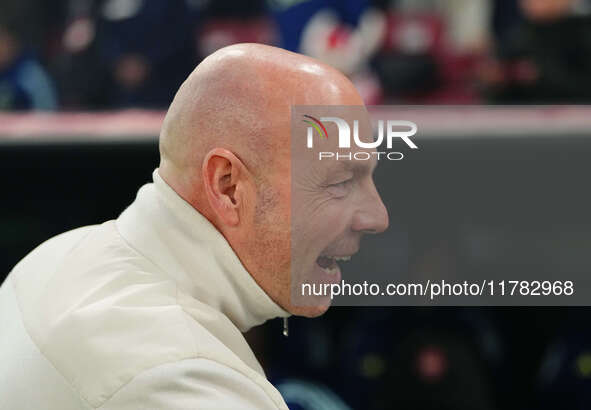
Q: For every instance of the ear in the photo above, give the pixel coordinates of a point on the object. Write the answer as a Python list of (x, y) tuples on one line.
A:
[(228, 185)]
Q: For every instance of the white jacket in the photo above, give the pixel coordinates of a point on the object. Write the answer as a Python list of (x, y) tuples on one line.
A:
[(144, 312)]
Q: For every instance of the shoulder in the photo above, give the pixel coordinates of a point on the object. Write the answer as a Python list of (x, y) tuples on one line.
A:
[(100, 312), (111, 324)]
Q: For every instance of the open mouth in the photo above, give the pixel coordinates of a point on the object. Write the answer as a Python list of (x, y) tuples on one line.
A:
[(329, 263)]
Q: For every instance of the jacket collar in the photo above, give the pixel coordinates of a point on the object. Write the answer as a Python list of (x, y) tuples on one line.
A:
[(186, 246)]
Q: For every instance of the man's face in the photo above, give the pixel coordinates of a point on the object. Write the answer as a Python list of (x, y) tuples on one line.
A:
[(311, 214), (333, 204)]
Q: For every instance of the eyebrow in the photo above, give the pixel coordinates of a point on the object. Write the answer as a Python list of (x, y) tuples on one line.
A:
[(359, 165)]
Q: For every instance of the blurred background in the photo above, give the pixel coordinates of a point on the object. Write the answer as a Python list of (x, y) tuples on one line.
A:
[(110, 54), (75, 147)]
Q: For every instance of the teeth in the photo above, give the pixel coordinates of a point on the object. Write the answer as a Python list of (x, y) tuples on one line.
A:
[(331, 271)]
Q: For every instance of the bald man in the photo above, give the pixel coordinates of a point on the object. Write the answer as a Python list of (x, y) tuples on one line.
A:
[(147, 311)]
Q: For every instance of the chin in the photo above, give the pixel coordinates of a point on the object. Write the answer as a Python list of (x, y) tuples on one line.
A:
[(310, 310)]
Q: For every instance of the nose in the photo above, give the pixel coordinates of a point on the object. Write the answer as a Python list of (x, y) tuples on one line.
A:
[(371, 216)]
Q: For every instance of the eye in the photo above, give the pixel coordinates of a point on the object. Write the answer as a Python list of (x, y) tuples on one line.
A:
[(340, 189)]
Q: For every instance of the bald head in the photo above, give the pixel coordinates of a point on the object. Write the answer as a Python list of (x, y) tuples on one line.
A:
[(239, 98)]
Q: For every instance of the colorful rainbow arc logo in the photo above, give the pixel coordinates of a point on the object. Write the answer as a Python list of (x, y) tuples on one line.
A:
[(317, 125)]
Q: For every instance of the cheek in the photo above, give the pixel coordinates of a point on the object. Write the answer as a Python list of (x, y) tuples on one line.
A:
[(276, 226), (332, 221), (314, 231), (272, 248)]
